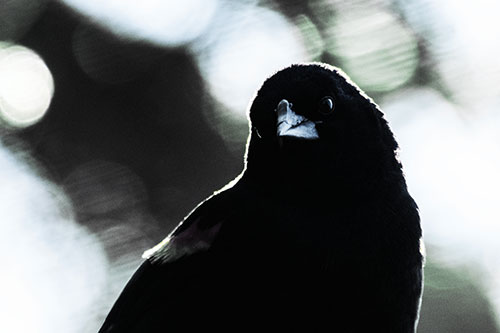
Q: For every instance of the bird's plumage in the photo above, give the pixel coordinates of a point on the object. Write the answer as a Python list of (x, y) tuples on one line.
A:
[(318, 235)]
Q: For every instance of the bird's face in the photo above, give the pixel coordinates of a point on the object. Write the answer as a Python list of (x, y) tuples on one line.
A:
[(314, 120), (295, 125), (294, 102)]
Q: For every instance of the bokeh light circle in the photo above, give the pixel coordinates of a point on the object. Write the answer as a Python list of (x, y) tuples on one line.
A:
[(54, 272), (169, 23), (250, 45), (26, 86), (375, 49), (461, 37)]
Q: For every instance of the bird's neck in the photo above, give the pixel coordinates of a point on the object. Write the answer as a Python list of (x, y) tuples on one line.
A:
[(320, 183)]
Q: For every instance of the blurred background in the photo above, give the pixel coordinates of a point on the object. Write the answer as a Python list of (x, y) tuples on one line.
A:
[(118, 117)]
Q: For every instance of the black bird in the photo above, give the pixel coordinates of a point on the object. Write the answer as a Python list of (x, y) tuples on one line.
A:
[(317, 234)]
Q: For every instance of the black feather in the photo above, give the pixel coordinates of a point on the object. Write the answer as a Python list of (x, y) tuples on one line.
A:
[(315, 235)]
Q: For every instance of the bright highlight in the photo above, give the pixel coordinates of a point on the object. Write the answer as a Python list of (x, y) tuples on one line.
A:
[(54, 272), (169, 23), (26, 86), (252, 44), (377, 51)]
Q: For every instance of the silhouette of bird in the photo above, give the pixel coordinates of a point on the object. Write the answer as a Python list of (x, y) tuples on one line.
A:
[(317, 234)]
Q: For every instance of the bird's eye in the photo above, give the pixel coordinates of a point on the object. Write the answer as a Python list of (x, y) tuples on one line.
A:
[(326, 105)]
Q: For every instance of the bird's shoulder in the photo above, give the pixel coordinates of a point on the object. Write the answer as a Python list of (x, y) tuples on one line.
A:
[(199, 228)]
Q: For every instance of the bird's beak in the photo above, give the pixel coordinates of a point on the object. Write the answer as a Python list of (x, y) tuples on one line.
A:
[(294, 125)]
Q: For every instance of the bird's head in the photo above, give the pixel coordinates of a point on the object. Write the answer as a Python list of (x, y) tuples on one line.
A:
[(309, 121)]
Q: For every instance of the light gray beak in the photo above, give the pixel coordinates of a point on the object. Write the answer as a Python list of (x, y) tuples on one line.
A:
[(294, 125)]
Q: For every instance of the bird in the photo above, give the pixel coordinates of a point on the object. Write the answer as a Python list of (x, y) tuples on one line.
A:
[(318, 233)]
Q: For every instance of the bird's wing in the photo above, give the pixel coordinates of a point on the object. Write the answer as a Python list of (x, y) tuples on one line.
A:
[(132, 300), (195, 234), (163, 269)]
